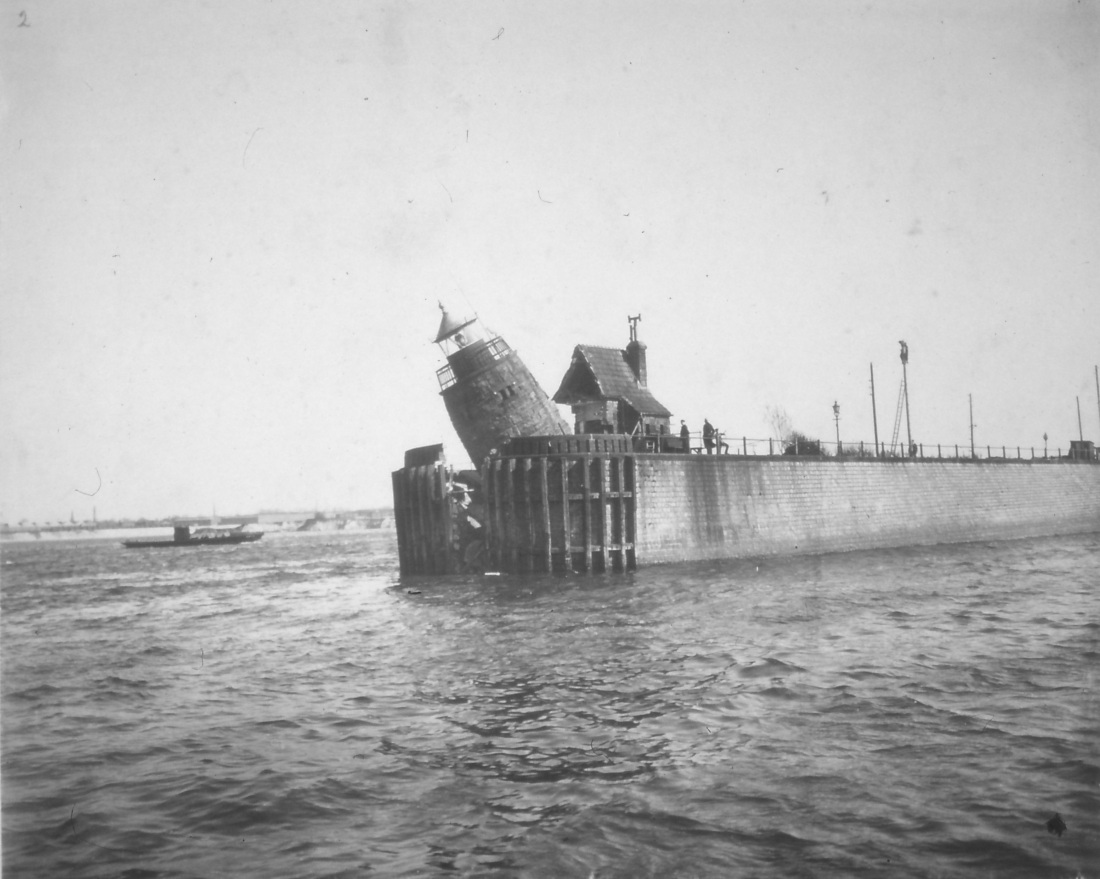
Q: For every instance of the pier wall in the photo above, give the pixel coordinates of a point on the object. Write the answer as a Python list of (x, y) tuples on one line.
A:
[(695, 507)]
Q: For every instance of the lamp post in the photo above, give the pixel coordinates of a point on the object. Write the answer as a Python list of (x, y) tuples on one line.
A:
[(836, 418), (1044, 445)]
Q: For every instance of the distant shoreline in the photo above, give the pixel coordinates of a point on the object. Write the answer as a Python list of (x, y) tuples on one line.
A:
[(372, 520)]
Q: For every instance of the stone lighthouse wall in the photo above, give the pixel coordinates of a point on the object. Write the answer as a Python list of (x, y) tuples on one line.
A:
[(499, 401)]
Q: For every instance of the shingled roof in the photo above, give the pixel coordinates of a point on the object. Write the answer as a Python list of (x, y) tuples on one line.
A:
[(598, 373)]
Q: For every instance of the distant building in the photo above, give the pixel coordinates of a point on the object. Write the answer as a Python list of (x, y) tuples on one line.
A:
[(1082, 450)]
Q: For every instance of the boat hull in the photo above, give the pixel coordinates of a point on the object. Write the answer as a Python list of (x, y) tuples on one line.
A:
[(222, 540)]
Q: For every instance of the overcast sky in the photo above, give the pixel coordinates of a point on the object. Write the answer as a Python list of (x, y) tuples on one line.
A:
[(225, 227)]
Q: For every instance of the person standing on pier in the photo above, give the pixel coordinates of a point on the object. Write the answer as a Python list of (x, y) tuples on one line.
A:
[(708, 436), (685, 436)]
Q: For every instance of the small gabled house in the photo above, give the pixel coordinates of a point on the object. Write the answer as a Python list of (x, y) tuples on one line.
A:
[(606, 389)]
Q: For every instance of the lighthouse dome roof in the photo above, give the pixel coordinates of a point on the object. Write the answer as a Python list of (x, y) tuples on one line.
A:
[(449, 325)]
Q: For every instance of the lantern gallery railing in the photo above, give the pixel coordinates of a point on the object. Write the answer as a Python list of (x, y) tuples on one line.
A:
[(473, 359)]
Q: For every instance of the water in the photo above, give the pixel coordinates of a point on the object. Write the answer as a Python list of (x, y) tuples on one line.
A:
[(291, 708)]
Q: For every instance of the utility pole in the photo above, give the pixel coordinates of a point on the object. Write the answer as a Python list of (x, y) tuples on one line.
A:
[(970, 397), (1096, 372), (836, 417), (874, 411), (1080, 432), (905, 385)]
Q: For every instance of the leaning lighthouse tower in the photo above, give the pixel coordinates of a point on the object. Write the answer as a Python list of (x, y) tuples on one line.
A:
[(489, 392)]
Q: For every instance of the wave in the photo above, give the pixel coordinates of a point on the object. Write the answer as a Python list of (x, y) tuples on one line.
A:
[(900, 713)]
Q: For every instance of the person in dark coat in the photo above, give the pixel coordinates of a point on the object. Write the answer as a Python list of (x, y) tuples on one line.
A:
[(685, 436), (708, 436)]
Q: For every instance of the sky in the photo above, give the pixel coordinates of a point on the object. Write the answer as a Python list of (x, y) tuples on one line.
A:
[(225, 228)]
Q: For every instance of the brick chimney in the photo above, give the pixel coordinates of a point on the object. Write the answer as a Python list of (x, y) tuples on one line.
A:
[(635, 357), (635, 351)]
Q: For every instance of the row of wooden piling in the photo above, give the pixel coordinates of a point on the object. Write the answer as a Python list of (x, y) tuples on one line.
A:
[(557, 513), (424, 515), (545, 512)]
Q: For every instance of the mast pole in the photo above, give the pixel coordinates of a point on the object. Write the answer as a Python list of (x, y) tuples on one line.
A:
[(874, 410), (970, 397), (905, 388)]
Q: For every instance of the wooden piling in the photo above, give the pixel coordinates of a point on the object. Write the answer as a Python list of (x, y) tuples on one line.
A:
[(586, 487), (544, 496), (512, 532), (567, 534), (605, 518), (621, 465)]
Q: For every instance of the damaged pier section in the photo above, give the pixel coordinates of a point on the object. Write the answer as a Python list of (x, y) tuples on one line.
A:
[(543, 504)]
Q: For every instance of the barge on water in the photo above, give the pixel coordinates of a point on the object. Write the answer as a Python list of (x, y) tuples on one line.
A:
[(551, 500), (183, 535)]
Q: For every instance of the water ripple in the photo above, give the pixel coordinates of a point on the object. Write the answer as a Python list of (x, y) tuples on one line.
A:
[(289, 708)]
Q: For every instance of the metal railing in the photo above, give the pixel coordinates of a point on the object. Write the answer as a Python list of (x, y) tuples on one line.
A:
[(726, 445), (473, 358)]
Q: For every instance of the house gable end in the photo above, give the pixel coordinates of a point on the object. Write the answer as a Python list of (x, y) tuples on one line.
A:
[(579, 383)]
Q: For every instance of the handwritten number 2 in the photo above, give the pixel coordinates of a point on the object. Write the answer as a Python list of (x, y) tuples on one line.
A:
[(23, 20)]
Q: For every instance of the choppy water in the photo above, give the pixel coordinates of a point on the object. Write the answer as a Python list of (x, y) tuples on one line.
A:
[(290, 708)]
